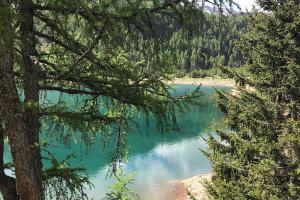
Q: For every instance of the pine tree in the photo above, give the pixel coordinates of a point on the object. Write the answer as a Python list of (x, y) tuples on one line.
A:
[(257, 157)]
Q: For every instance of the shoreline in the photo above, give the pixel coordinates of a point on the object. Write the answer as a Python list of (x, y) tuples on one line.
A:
[(195, 186), (183, 189), (209, 81)]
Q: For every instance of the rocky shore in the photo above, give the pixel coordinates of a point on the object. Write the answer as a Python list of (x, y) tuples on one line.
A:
[(187, 189)]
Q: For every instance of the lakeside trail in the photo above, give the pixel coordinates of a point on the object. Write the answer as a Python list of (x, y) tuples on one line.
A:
[(203, 81), (183, 189)]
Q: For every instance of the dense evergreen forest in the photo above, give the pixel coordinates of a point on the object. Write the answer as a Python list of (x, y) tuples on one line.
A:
[(210, 44)]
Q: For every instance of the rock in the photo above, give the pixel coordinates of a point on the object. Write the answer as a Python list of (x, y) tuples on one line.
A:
[(180, 189), (195, 186)]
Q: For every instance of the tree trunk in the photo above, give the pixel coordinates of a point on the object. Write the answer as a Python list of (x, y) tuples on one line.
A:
[(31, 84), (28, 180), (8, 188), (7, 184)]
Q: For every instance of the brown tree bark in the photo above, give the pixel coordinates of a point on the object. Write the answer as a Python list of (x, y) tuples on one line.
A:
[(7, 184), (31, 84), (28, 181)]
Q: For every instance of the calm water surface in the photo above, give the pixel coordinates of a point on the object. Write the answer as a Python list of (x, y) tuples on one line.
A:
[(153, 157)]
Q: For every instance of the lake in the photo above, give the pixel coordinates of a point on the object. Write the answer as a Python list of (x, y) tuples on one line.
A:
[(153, 157)]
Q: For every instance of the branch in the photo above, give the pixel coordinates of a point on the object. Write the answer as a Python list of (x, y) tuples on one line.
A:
[(92, 12), (68, 10), (75, 47), (83, 116), (130, 99), (46, 62), (70, 91), (87, 52)]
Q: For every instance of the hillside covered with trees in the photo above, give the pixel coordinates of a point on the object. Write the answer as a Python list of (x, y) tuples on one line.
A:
[(210, 44)]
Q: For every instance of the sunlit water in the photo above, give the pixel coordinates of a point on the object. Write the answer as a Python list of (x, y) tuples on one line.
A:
[(154, 157)]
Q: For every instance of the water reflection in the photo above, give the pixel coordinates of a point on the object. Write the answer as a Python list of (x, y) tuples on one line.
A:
[(154, 157)]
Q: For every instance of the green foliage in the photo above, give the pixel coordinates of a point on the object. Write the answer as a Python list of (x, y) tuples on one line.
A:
[(86, 58), (211, 44), (257, 156), (90, 54), (120, 190), (80, 54), (63, 182)]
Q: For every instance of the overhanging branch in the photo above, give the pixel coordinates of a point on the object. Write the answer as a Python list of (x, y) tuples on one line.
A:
[(70, 91)]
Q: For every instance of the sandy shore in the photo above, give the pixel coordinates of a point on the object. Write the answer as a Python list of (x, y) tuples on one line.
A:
[(203, 81), (183, 189)]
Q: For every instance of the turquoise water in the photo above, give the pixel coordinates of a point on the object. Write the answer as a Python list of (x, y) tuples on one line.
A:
[(154, 157)]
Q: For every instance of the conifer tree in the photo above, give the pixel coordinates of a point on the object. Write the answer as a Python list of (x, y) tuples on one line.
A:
[(257, 156), (77, 48)]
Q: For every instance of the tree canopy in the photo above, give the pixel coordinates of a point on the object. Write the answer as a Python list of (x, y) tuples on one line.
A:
[(257, 157)]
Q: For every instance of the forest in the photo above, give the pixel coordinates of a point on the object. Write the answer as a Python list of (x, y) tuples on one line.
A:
[(210, 44), (89, 108)]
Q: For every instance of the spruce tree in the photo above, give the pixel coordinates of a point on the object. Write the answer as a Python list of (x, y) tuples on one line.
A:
[(257, 156)]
